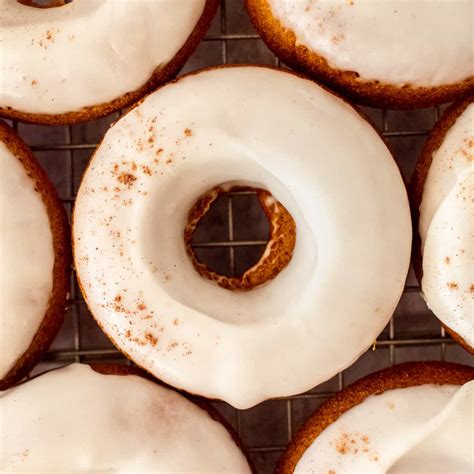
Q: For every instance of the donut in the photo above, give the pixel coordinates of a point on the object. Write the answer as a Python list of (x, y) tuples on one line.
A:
[(270, 130), (443, 210), (35, 256), (108, 418), (81, 60), (413, 417), (392, 54)]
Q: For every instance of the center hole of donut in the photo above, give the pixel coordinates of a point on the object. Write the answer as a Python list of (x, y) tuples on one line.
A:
[(239, 237), (44, 3)]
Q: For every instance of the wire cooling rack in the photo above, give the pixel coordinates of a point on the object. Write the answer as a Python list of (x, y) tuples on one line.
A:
[(412, 334)]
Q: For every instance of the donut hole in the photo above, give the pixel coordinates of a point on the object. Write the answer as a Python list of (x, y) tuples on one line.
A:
[(213, 235), (239, 237), (44, 3)]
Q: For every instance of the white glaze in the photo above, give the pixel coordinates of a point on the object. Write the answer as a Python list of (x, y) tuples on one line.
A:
[(419, 429), (425, 43), (26, 260), (273, 130), (447, 229), (87, 52), (76, 420)]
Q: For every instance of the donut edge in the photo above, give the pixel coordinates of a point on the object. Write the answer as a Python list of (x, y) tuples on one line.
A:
[(58, 222), (158, 77), (410, 374), (282, 41), (417, 184)]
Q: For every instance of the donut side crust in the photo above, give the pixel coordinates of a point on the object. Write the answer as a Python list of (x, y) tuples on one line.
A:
[(59, 225), (410, 374), (278, 250), (158, 77), (283, 42), (417, 185)]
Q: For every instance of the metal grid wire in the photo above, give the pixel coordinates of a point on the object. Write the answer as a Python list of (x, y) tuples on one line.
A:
[(389, 339)]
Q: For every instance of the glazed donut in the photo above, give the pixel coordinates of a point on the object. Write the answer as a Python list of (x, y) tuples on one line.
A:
[(35, 256), (414, 417), (269, 129), (443, 200), (393, 54), (107, 418), (88, 58)]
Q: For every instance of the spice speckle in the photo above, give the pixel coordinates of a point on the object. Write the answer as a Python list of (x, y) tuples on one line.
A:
[(127, 179)]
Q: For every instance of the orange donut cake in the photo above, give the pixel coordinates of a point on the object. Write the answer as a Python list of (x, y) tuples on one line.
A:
[(87, 58), (443, 210), (411, 418), (397, 54), (35, 259), (335, 265), (108, 418)]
